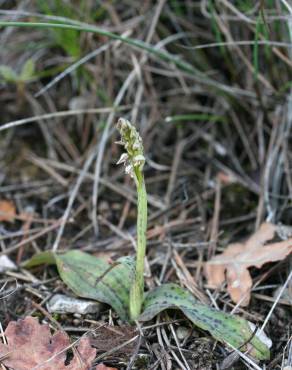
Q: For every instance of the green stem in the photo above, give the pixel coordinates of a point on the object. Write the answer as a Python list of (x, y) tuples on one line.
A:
[(137, 288)]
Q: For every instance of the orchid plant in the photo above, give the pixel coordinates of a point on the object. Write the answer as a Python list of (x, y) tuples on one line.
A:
[(134, 161), (122, 285)]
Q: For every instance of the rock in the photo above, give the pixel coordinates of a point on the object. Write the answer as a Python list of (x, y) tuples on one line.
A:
[(60, 303), (6, 264)]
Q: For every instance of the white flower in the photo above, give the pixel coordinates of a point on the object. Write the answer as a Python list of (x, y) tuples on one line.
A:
[(132, 142), (129, 170), (139, 160), (123, 158)]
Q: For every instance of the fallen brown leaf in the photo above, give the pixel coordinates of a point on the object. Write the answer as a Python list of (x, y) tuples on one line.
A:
[(31, 346), (7, 211), (104, 367), (238, 257)]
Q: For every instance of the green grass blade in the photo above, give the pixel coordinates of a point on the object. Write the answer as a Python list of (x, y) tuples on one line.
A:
[(196, 117), (223, 327), (256, 49), (216, 30), (93, 278), (184, 66), (138, 44)]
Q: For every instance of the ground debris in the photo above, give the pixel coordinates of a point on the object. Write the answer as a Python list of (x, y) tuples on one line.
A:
[(30, 345), (108, 337)]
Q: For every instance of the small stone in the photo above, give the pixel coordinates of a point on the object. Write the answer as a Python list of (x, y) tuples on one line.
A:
[(6, 264), (76, 322), (60, 303), (182, 332)]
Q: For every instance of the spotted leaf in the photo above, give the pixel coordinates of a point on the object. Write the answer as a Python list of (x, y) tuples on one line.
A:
[(224, 327), (92, 277)]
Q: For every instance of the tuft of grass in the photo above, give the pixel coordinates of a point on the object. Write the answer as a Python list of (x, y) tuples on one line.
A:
[(184, 66)]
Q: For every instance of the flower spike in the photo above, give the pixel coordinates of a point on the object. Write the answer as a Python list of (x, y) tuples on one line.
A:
[(131, 140)]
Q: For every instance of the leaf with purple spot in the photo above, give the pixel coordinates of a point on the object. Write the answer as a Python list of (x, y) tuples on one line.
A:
[(224, 327)]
